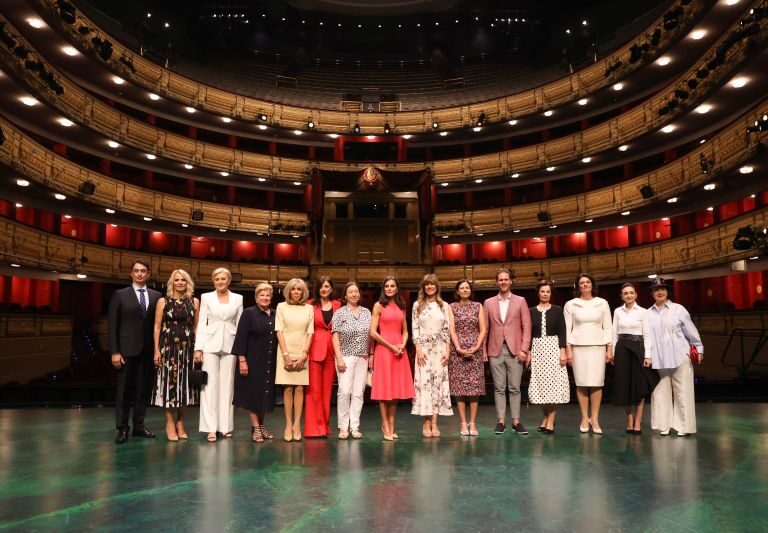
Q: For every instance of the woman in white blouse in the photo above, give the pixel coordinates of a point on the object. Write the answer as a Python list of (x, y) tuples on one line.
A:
[(588, 333), (220, 312), (633, 378)]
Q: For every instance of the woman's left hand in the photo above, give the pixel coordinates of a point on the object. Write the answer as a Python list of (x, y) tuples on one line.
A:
[(609, 355), (444, 359), (647, 362)]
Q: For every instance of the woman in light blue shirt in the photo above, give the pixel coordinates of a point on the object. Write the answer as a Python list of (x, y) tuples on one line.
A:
[(673, 405)]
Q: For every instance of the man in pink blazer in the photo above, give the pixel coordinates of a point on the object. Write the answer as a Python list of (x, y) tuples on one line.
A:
[(507, 346)]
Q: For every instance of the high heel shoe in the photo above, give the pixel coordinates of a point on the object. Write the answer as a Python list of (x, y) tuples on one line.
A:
[(296, 434), (288, 434), (472, 432), (180, 432), (584, 429), (464, 431), (596, 430), (171, 434), (266, 434)]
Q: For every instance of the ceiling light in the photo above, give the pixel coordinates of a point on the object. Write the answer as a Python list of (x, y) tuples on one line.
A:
[(15, 265), (151, 157), (22, 182), (702, 141), (297, 132), (480, 234), (443, 133), (80, 275), (225, 174), (665, 219), (583, 101), (625, 213), (653, 276), (703, 108), (709, 187), (672, 200), (589, 221), (739, 82), (444, 184), (336, 135), (153, 96), (28, 101), (35, 22), (188, 166), (476, 128), (445, 236), (19, 205), (190, 109), (619, 227), (710, 208), (262, 127), (664, 61), (478, 180), (118, 80), (297, 183), (311, 124), (698, 34), (59, 196), (746, 169), (185, 225), (71, 51), (222, 230), (110, 211), (65, 122), (515, 175), (262, 179), (513, 122), (548, 113), (550, 169), (406, 137), (147, 219), (623, 148), (618, 86), (226, 120), (752, 195), (515, 231), (113, 225), (586, 160), (112, 144), (370, 137), (669, 128), (553, 226), (68, 217), (731, 2)]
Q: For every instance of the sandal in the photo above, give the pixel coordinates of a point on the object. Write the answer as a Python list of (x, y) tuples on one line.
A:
[(256, 435), (343, 434), (266, 434), (182, 434), (356, 434), (211, 437), (436, 433)]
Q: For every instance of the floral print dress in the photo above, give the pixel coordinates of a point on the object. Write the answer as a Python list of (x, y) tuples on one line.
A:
[(431, 331), (176, 343), (466, 374)]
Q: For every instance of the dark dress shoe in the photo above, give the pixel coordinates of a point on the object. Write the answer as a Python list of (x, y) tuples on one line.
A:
[(499, 428), (542, 429), (122, 435), (143, 432)]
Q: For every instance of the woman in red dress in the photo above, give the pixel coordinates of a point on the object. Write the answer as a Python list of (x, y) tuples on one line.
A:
[(317, 402), (392, 378)]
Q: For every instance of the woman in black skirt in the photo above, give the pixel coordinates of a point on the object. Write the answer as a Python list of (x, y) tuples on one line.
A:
[(256, 349), (633, 378)]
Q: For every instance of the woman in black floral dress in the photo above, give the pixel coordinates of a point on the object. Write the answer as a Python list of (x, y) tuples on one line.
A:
[(466, 367), (175, 325)]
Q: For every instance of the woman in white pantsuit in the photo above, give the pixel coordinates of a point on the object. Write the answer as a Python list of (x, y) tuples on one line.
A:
[(588, 325), (220, 312), (352, 345), (673, 405)]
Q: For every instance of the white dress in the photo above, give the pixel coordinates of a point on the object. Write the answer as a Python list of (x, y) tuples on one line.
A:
[(431, 331)]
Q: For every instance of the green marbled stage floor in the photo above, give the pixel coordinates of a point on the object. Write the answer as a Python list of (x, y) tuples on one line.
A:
[(60, 470)]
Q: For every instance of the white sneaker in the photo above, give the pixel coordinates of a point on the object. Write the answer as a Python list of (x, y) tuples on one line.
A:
[(664, 433)]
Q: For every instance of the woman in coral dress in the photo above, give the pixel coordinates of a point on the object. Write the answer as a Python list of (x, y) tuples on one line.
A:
[(392, 379)]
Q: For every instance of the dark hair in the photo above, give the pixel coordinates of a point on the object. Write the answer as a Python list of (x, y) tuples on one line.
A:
[(349, 284), (458, 284), (543, 283), (499, 271), (398, 299), (142, 262), (316, 300), (577, 292), (629, 285)]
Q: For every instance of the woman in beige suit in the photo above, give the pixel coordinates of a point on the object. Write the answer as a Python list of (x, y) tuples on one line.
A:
[(220, 312), (295, 326), (588, 324)]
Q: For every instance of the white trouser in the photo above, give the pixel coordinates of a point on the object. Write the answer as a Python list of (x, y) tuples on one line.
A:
[(673, 405), (351, 391), (216, 412)]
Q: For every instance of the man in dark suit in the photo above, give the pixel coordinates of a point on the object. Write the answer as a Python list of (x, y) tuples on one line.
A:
[(131, 328)]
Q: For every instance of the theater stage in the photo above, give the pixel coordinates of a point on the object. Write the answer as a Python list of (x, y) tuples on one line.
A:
[(61, 470)]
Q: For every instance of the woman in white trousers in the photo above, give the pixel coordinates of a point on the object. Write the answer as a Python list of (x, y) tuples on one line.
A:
[(673, 405), (352, 345), (220, 312)]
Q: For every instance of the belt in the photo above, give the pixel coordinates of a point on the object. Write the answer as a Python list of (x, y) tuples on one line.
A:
[(628, 337)]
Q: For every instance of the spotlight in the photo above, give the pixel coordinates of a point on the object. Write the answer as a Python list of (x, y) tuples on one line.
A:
[(387, 129), (356, 128), (66, 11), (263, 117), (311, 124), (647, 192), (543, 216), (435, 125), (480, 120), (748, 238), (703, 164)]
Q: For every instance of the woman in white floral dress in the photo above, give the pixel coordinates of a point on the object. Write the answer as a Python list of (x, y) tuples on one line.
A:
[(431, 335)]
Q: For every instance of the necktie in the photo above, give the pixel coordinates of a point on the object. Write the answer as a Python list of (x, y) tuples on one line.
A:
[(142, 302)]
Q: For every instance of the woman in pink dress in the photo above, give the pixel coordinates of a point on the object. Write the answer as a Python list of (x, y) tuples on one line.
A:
[(392, 378)]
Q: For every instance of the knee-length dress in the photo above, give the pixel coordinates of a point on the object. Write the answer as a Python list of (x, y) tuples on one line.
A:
[(549, 379), (176, 343), (256, 339), (392, 378), (431, 330), (466, 375), (588, 326), (296, 322)]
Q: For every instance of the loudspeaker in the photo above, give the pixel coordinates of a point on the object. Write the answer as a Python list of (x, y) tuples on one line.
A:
[(87, 188), (646, 191), (197, 215), (237, 277), (543, 216)]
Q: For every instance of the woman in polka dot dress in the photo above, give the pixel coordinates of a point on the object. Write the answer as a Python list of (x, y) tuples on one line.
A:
[(549, 376)]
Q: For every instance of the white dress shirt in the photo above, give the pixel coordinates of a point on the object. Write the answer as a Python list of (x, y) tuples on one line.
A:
[(633, 321), (138, 295), (503, 306), (673, 334)]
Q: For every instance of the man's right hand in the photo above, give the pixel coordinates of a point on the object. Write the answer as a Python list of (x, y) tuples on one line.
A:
[(117, 361)]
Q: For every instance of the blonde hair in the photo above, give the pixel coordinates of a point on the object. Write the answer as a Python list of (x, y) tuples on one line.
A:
[(422, 299), (190, 284), (263, 287), (296, 282), (221, 270)]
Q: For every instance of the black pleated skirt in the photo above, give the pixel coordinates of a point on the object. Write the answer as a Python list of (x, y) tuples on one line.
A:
[(632, 381)]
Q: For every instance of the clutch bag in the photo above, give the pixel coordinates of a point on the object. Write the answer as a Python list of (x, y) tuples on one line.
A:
[(198, 378), (694, 353)]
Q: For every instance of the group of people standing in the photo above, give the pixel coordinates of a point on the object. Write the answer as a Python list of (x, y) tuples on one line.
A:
[(238, 356)]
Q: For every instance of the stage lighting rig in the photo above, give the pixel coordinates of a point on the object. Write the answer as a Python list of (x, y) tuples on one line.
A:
[(759, 125), (703, 164), (748, 238)]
